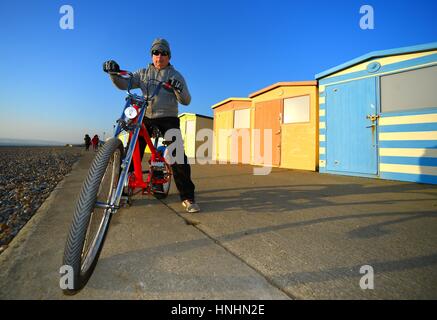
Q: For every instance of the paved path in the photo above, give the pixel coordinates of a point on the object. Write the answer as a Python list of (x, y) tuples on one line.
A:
[(288, 235)]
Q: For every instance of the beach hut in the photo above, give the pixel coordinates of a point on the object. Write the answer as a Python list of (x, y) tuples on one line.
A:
[(378, 115), (290, 111), (190, 124), (232, 123)]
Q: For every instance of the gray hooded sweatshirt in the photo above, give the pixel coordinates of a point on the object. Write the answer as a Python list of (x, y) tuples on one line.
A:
[(165, 104)]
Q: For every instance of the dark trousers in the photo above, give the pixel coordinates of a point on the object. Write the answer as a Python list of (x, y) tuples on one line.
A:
[(181, 171)]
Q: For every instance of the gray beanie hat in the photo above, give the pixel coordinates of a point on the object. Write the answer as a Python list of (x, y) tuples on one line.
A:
[(160, 44)]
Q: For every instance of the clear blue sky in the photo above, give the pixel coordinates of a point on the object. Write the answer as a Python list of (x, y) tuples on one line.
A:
[(52, 85)]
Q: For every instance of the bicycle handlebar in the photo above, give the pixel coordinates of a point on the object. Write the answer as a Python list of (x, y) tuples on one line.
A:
[(122, 73), (141, 101), (128, 75)]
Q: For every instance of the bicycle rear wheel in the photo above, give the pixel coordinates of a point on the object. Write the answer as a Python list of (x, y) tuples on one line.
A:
[(91, 219), (161, 191)]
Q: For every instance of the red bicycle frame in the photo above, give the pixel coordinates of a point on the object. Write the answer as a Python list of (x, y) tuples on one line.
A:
[(136, 178)]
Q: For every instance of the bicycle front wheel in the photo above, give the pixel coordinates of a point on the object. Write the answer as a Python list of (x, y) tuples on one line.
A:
[(91, 218)]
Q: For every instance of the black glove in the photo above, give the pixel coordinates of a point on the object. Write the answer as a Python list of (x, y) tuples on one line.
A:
[(176, 85), (111, 66)]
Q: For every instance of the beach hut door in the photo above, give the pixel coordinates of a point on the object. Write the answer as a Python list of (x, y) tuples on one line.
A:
[(351, 132)]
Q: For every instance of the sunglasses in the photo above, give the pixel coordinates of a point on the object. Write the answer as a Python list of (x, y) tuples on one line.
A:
[(157, 53)]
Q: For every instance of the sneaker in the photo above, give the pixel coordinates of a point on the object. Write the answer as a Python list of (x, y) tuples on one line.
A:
[(190, 206)]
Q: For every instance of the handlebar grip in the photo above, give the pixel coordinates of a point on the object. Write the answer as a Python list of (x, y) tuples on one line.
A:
[(122, 73)]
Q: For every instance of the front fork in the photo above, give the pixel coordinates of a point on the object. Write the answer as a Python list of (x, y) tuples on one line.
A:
[(133, 149)]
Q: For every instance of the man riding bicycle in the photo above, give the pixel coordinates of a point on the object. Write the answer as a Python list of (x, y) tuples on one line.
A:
[(163, 110)]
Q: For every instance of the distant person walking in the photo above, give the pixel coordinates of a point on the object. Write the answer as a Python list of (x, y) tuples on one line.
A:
[(95, 142), (87, 142)]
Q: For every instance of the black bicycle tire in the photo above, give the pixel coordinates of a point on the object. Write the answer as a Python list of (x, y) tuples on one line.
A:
[(84, 206)]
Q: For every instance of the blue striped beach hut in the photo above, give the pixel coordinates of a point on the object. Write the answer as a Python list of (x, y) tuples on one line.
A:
[(378, 115)]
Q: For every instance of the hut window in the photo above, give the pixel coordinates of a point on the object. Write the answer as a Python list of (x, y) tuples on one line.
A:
[(410, 90), (297, 109), (242, 119)]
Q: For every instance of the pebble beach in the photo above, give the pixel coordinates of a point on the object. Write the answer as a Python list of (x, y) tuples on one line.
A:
[(27, 177)]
